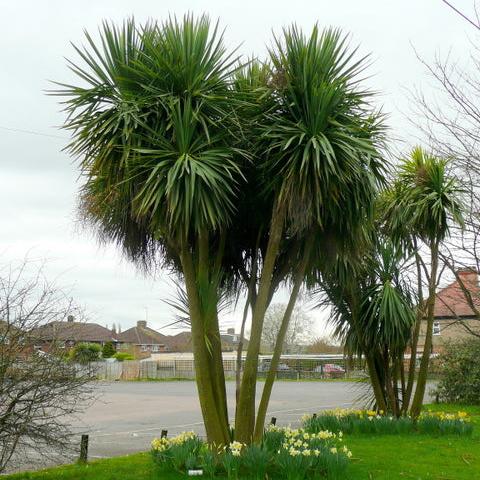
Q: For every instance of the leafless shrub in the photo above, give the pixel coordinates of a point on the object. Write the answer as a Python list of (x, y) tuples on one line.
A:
[(449, 119), (39, 391)]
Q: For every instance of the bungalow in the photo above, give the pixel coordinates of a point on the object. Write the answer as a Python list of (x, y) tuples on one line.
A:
[(141, 341), (230, 340), (68, 334)]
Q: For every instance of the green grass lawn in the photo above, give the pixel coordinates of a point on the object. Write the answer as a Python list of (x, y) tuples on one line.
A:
[(386, 457)]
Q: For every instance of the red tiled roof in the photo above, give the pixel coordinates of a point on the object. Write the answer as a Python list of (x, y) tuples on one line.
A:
[(181, 342), (451, 300), (142, 335), (74, 331)]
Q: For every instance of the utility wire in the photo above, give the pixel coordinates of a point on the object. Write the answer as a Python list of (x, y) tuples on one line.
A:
[(31, 132), (461, 14)]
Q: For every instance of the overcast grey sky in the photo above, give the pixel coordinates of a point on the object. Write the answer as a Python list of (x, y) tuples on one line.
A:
[(39, 182)]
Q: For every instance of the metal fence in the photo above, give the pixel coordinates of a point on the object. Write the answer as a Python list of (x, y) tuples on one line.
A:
[(292, 367)]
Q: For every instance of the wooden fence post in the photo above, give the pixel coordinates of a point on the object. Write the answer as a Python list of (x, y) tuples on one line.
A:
[(83, 449)]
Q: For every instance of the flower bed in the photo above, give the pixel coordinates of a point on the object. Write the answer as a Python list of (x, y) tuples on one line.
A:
[(284, 453), (372, 422)]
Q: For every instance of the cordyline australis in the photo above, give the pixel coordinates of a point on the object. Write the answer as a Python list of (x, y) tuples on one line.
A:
[(238, 177)]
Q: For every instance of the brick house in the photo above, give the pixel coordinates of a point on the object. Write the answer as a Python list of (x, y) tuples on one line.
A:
[(141, 341), (230, 340), (182, 342), (69, 333), (453, 314)]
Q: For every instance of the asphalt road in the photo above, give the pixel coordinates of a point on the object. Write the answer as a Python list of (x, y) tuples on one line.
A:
[(127, 415)]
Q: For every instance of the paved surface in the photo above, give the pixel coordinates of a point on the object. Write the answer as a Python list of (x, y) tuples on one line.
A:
[(127, 415)]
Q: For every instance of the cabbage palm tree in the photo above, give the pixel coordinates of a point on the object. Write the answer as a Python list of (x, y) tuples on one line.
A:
[(194, 164), (373, 315), (152, 125), (320, 162), (422, 205)]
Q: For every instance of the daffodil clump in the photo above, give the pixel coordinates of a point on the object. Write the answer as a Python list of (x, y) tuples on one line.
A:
[(284, 453), (304, 454), (460, 416), (377, 422), (180, 452), (231, 458), (162, 444)]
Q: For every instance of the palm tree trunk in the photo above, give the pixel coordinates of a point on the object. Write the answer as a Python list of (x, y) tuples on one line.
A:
[(376, 384), (395, 380), (401, 369), (423, 372), (389, 380), (248, 304), (218, 374), (211, 403), (267, 388), (238, 371), (245, 414), (375, 381), (416, 332)]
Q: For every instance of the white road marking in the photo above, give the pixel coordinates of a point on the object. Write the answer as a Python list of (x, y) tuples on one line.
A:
[(289, 412)]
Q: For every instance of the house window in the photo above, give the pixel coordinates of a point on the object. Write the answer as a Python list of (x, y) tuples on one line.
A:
[(436, 328), (144, 348), (155, 348)]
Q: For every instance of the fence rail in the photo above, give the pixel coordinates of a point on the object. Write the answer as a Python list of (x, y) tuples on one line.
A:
[(289, 368)]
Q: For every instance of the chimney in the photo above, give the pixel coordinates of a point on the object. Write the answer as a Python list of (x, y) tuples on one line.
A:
[(70, 318), (142, 324), (468, 275), (230, 331)]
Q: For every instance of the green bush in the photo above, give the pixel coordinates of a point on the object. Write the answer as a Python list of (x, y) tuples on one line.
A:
[(108, 350), (85, 352), (121, 356), (459, 370)]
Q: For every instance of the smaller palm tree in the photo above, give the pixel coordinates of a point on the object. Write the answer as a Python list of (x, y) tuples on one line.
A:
[(373, 315), (422, 205)]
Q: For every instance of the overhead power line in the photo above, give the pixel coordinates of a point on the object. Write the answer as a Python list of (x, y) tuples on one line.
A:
[(462, 14), (32, 132)]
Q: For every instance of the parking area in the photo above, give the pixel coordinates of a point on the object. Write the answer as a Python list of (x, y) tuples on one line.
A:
[(127, 415)]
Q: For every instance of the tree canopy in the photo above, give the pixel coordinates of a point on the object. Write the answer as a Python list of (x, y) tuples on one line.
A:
[(236, 175)]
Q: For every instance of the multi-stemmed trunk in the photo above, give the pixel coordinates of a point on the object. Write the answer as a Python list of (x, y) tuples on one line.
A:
[(207, 351), (375, 381), (200, 277), (268, 385), (427, 347), (245, 413)]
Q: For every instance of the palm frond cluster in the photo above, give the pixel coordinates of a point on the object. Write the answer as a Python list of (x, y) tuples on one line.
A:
[(243, 175)]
